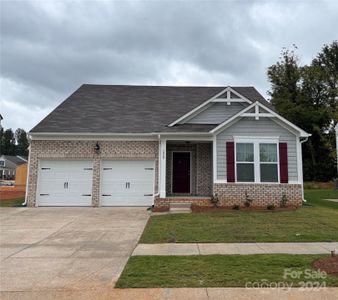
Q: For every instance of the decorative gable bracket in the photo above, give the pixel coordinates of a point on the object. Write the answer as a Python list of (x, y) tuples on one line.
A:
[(228, 95), (259, 113), (257, 110)]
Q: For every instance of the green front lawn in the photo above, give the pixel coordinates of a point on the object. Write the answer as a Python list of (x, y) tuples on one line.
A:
[(314, 222), (316, 197), (12, 202), (216, 270)]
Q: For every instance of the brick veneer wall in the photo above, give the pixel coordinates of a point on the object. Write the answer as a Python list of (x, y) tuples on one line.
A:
[(204, 169), (232, 193), (262, 194), (85, 150)]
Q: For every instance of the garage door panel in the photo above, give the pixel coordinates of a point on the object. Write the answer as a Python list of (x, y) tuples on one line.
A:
[(65, 183), (127, 183)]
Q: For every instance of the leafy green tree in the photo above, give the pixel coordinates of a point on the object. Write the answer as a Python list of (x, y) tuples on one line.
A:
[(7, 142), (307, 96), (21, 142)]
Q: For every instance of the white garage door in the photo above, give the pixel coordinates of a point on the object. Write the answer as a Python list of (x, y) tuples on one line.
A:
[(127, 183), (65, 183)]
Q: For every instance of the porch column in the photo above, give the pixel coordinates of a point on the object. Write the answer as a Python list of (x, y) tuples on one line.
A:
[(162, 165)]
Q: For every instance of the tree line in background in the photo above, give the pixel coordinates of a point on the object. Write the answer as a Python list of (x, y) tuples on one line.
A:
[(13, 143), (307, 95)]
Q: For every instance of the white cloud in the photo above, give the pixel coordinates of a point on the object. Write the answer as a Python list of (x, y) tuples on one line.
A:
[(17, 115)]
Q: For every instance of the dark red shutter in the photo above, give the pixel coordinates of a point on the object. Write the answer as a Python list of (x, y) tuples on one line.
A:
[(283, 162), (230, 161)]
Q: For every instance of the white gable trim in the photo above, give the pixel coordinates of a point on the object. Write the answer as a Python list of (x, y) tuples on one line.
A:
[(212, 99), (271, 114)]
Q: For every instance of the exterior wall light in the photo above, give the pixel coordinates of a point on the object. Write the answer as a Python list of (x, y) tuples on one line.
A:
[(97, 148)]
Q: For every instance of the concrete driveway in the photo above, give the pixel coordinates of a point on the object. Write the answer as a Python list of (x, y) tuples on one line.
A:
[(66, 248)]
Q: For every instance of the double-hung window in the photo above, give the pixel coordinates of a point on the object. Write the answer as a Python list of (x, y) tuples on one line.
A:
[(257, 160), (268, 162), (245, 167)]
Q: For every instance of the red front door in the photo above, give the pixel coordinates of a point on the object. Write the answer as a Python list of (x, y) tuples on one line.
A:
[(181, 172)]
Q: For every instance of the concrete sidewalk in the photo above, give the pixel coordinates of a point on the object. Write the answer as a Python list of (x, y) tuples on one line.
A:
[(178, 294), (234, 248)]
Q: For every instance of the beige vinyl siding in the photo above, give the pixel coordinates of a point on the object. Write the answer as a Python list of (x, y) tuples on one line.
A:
[(250, 127), (217, 113)]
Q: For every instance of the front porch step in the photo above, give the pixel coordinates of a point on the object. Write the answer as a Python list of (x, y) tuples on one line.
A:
[(177, 207)]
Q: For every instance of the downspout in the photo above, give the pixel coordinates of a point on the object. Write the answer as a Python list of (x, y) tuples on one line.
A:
[(158, 165), (301, 142), (27, 178)]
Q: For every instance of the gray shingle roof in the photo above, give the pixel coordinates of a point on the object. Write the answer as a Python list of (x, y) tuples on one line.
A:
[(131, 109), (15, 159)]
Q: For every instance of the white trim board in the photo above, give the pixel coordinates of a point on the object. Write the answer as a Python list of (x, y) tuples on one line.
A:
[(228, 99), (53, 136), (271, 114)]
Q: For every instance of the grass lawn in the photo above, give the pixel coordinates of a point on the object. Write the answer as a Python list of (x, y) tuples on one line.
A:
[(316, 197), (315, 222), (215, 270), (12, 202)]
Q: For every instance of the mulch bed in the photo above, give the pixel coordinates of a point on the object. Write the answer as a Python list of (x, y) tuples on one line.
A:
[(328, 264), (201, 209), (160, 209), (198, 209)]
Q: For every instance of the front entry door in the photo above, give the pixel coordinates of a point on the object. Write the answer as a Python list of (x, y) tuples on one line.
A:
[(181, 172)]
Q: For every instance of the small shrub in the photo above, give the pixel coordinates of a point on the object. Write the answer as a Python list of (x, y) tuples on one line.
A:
[(248, 200), (214, 199), (235, 207), (171, 238), (270, 206), (284, 200)]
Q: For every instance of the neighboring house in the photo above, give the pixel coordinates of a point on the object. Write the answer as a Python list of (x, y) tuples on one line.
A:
[(8, 165), (109, 145)]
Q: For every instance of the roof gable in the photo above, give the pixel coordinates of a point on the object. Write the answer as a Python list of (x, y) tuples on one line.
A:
[(129, 109), (257, 110)]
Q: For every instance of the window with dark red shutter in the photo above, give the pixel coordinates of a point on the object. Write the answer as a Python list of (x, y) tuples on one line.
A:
[(230, 148), (283, 162)]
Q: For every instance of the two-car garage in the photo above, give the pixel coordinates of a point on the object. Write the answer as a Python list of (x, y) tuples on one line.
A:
[(70, 183)]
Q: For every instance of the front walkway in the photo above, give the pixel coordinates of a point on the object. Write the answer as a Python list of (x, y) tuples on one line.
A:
[(234, 248)]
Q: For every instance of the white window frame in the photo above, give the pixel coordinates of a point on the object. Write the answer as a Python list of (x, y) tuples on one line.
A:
[(256, 141), (3, 163)]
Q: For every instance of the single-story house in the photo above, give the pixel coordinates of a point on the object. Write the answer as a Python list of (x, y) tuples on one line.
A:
[(116, 145), (8, 165)]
